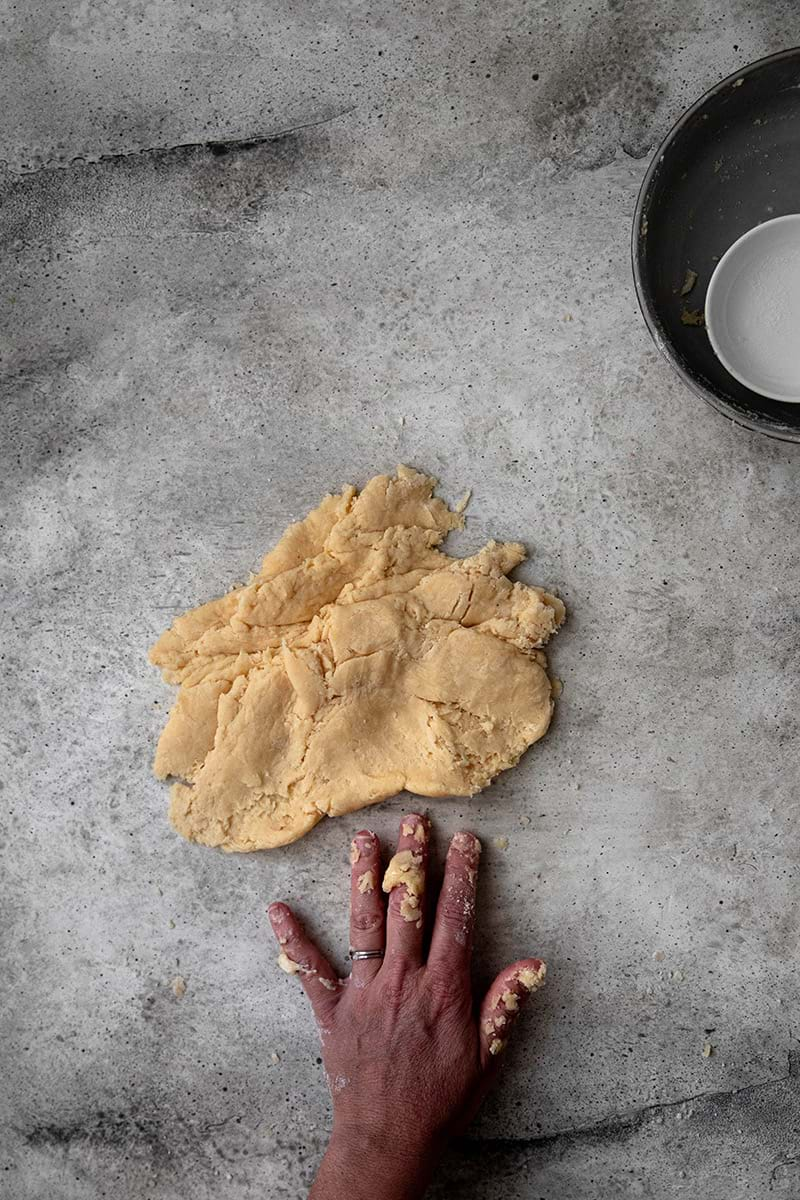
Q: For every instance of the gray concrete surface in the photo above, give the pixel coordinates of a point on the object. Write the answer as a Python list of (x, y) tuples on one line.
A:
[(430, 265)]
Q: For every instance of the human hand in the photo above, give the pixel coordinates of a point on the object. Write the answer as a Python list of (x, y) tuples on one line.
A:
[(408, 1053)]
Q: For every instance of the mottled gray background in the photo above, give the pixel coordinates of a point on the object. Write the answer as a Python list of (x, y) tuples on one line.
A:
[(429, 264)]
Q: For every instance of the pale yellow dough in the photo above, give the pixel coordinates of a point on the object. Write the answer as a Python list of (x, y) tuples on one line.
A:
[(532, 980), (406, 868), (358, 662), (366, 882)]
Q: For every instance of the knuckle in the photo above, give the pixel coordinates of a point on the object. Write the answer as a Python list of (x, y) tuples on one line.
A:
[(367, 922), (443, 987), (451, 913), (397, 988), (457, 910), (450, 992)]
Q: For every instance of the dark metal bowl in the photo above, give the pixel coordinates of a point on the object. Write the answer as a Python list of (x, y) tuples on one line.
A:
[(731, 162)]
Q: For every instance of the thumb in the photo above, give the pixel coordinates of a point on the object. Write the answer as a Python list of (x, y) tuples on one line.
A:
[(502, 1004)]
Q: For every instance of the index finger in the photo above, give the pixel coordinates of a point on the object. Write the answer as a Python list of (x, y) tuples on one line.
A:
[(301, 956), (451, 944)]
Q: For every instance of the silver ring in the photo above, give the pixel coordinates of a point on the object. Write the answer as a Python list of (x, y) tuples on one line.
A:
[(362, 955)]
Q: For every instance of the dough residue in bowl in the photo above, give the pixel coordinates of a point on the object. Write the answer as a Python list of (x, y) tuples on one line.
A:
[(360, 661)]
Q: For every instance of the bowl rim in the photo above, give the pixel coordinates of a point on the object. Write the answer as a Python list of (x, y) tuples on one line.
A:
[(713, 284), (721, 406)]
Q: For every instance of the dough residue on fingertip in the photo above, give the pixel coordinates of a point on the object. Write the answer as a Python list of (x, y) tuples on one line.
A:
[(287, 964), (532, 979), (375, 661), (467, 844)]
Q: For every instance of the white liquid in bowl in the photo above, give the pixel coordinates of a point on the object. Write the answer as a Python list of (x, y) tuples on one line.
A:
[(753, 309)]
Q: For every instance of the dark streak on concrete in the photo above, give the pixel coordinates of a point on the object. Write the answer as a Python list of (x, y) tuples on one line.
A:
[(136, 1133), (621, 1128), (165, 1138), (107, 1129), (217, 148), (147, 1131), (769, 1110)]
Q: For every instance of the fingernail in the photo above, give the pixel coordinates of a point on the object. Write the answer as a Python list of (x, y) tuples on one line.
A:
[(276, 911)]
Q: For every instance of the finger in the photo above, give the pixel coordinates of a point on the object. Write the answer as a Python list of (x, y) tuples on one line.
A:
[(451, 944), (300, 956), (405, 882), (503, 1002), (367, 906)]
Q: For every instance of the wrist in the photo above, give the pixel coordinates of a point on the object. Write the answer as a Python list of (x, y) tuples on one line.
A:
[(358, 1161)]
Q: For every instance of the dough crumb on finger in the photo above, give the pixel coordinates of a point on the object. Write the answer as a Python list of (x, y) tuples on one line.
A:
[(366, 882), (532, 979), (287, 964), (406, 869)]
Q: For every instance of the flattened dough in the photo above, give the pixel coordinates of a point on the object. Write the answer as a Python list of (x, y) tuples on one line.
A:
[(358, 662)]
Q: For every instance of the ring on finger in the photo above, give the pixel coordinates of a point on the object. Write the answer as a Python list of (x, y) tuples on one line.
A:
[(362, 955)]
